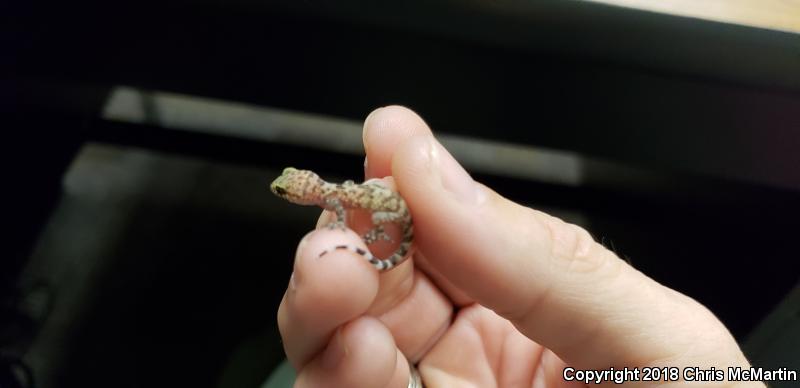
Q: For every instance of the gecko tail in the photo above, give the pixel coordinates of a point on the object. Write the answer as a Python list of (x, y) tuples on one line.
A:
[(379, 264)]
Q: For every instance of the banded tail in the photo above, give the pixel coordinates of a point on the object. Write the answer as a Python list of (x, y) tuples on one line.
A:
[(383, 264)]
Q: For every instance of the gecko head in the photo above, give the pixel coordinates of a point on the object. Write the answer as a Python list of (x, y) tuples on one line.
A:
[(297, 186)]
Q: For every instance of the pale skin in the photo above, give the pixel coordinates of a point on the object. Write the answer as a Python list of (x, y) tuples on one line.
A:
[(496, 294)]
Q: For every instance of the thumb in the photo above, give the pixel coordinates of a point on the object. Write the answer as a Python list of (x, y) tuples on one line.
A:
[(549, 278)]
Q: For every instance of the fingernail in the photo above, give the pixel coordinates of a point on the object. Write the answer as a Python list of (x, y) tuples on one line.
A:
[(292, 282), (335, 352), (454, 178), (371, 116), (366, 167)]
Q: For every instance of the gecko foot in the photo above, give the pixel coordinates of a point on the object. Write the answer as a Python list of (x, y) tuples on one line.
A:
[(375, 234), (337, 225)]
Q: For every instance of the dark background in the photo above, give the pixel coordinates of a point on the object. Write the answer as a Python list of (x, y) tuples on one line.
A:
[(138, 255)]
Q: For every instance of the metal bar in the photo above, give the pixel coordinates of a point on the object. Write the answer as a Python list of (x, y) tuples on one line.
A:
[(646, 89)]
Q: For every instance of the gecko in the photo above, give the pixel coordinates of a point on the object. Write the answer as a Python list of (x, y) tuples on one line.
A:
[(304, 187)]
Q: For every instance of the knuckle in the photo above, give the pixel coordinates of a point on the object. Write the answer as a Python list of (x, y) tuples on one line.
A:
[(574, 250)]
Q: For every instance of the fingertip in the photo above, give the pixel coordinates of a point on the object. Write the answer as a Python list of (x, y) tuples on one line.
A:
[(362, 353), (334, 277), (413, 165), (367, 338), (384, 130), (421, 160)]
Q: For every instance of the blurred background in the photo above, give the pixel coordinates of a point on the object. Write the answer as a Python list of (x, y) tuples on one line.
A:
[(142, 247)]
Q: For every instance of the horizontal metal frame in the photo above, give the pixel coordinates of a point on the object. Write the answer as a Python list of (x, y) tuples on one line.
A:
[(647, 89)]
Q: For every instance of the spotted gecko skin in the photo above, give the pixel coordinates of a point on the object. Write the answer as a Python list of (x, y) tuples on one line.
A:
[(304, 187)]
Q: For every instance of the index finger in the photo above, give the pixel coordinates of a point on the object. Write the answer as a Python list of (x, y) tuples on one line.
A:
[(551, 279)]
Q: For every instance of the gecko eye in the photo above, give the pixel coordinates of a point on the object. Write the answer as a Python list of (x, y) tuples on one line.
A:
[(280, 191)]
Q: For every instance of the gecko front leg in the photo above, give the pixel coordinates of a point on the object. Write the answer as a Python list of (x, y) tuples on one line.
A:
[(333, 203)]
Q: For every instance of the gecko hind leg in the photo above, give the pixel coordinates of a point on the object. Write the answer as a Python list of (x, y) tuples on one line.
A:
[(375, 234)]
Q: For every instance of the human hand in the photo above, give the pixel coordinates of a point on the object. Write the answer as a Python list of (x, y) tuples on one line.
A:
[(497, 294)]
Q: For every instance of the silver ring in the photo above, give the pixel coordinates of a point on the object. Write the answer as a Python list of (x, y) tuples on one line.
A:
[(414, 379)]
